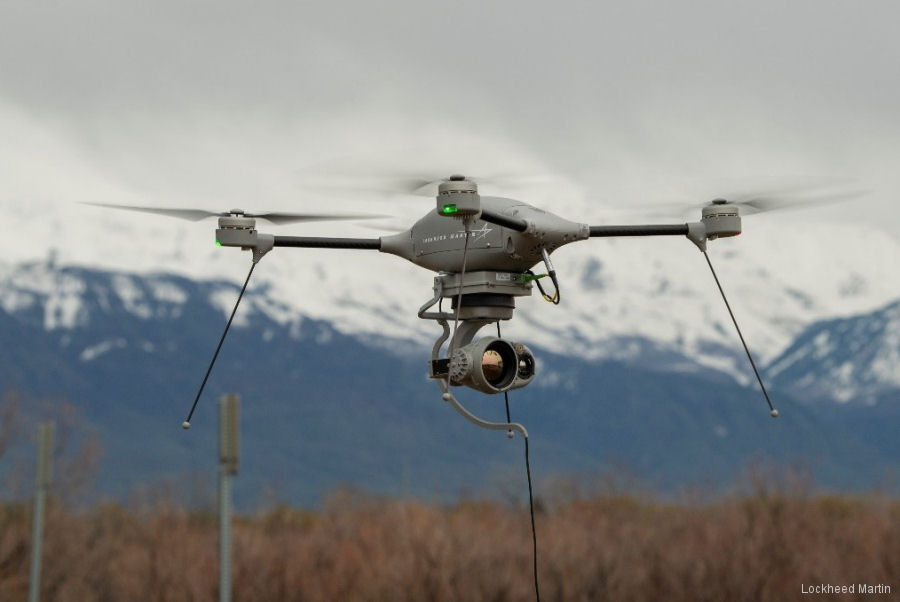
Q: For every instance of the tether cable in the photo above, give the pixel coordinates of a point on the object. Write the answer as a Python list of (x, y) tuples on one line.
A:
[(187, 423), (537, 590), (505, 393), (772, 411), (459, 295)]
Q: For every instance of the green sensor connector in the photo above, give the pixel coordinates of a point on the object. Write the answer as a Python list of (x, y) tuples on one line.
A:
[(218, 244), (529, 277), (448, 209)]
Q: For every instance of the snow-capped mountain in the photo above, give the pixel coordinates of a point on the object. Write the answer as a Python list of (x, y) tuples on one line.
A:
[(61, 300), (322, 408), (856, 358), (646, 300), (648, 303), (629, 299)]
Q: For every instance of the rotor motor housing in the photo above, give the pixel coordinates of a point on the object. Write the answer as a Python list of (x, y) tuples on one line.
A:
[(721, 219), (236, 231), (459, 198), (239, 231)]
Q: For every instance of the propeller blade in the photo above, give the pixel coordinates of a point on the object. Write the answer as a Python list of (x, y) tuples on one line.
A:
[(188, 214), (290, 218), (274, 217), (354, 179), (765, 204), (354, 182), (764, 201)]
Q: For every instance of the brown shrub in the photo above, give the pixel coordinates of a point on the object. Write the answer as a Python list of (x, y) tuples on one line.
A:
[(611, 547)]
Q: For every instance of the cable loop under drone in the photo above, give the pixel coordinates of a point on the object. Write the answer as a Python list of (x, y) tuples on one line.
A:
[(536, 278)]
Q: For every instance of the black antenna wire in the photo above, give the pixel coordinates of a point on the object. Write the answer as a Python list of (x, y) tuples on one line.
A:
[(459, 296), (537, 590), (187, 423), (505, 393), (772, 411)]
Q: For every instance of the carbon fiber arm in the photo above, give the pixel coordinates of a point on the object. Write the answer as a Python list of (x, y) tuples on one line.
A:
[(513, 223), (316, 242), (651, 230)]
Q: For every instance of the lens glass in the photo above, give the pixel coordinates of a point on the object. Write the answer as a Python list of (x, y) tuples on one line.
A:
[(492, 366)]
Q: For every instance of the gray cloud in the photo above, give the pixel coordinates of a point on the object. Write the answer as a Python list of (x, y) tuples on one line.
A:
[(640, 100)]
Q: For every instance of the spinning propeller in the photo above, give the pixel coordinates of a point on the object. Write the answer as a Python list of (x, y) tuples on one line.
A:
[(418, 183), (763, 201), (195, 215)]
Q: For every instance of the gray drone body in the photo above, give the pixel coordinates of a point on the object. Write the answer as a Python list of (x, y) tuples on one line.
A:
[(437, 242), (505, 235), (511, 236)]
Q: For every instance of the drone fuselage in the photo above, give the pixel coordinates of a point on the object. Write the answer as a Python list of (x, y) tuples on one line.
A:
[(438, 242)]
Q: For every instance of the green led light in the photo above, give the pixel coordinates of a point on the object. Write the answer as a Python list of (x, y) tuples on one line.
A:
[(218, 244), (449, 209)]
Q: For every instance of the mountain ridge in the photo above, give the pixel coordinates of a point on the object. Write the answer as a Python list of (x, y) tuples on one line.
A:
[(845, 359), (53, 297), (779, 278), (322, 408)]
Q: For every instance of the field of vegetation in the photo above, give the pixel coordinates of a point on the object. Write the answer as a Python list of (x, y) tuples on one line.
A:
[(762, 546), (598, 539)]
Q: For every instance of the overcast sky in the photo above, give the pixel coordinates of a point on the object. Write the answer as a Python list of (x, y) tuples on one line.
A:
[(215, 104)]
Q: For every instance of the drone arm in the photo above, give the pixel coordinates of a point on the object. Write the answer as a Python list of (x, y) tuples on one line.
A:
[(316, 242), (653, 230), (506, 221)]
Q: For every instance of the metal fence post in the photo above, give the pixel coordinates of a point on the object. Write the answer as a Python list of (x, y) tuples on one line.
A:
[(42, 482)]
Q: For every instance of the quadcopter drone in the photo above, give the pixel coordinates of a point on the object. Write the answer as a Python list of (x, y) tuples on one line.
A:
[(483, 250)]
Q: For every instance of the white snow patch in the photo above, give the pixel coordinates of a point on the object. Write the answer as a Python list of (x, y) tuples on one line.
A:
[(63, 311), (822, 345), (94, 351), (224, 299), (131, 296), (12, 300), (166, 291), (844, 394), (553, 379)]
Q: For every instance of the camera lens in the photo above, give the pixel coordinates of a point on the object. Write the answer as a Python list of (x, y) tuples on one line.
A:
[(492, 365), (498, 364)]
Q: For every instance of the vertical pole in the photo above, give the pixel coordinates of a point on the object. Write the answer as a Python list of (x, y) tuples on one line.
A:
[(224, 536), (228, 463), (42, 481)]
